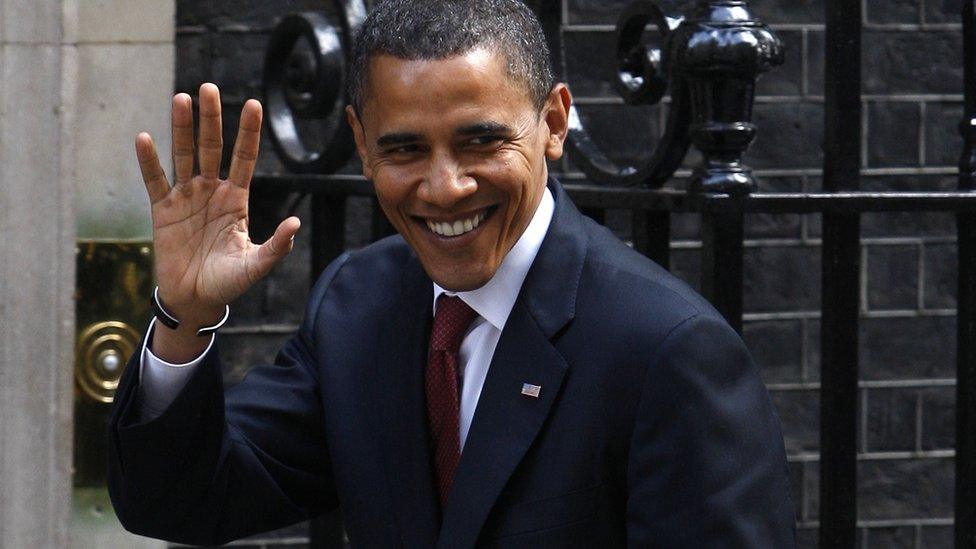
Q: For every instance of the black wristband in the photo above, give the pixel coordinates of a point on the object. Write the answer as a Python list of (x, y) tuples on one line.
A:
[(171, 321), (167, 319)]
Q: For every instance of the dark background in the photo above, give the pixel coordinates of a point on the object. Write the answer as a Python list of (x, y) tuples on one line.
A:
[(912, 94)]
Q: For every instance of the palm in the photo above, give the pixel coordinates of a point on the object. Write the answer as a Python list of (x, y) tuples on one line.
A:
[(204, 255), (203, 238)]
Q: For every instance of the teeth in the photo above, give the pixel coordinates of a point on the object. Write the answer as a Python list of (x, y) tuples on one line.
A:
[(459, 227)]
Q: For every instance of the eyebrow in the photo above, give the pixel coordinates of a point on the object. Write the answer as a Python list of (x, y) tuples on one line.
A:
[(482, 128), (393, 139), (479, 128)]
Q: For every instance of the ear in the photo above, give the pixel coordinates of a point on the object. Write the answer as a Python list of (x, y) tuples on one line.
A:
[(360, 136), (557, 120)]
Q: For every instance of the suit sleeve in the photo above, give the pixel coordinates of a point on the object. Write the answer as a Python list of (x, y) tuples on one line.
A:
[(212, 467), (707, 467)]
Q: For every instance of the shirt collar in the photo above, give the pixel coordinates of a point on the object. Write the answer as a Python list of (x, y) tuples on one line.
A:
[(494, 300)]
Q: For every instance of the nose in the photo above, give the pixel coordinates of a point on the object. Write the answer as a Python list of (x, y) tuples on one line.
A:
[(445, 184)]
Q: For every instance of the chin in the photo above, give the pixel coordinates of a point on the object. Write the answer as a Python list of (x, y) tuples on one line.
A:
[(457, 282)]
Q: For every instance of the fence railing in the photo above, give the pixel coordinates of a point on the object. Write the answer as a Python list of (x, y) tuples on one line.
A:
[(709, 59)]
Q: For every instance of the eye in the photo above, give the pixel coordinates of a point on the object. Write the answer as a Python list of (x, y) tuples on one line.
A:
[(485, 140), (412, 148)]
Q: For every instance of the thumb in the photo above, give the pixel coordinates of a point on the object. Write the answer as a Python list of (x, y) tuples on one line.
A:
[(277, 247)]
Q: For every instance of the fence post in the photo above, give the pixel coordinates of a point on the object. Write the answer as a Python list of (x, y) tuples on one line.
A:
[(721, 270), (651, 233), (965, 517), (719, 52), (840, 282)]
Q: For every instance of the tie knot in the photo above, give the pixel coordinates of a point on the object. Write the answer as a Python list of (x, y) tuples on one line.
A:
[(451, 320)]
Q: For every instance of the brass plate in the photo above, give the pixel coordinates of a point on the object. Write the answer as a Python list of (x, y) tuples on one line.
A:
[(112, 308), (111, 311)]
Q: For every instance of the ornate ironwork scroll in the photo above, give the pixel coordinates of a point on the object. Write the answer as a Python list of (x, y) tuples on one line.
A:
[(710, 60), (642, 78), (307, 82)]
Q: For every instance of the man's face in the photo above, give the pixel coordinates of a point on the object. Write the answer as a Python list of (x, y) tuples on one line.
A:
[(457, 152)]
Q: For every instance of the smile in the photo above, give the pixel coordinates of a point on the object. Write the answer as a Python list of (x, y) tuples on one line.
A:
[(459, 227)]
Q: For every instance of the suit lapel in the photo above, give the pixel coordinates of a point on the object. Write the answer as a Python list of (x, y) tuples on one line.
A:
[(506, 422), (401, 416), (504, 426)]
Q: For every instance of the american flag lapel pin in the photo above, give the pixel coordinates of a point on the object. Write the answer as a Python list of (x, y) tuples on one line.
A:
[(530, 390)]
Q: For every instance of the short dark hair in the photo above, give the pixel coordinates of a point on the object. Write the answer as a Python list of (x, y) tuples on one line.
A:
[(438, 29)]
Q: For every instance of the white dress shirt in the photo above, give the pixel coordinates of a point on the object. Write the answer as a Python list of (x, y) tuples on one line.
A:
[(161, 381)]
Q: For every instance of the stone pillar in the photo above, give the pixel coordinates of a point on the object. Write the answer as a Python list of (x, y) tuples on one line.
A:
[(78, 79), (37, 225), (119, 76)]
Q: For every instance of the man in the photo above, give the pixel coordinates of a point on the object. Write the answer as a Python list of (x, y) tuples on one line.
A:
[(503, 373)]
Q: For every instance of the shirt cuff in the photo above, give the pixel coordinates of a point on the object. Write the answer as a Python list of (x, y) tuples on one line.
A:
[(161, 381)]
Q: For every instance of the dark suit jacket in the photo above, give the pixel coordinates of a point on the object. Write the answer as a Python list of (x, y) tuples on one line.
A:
[(652, 428)]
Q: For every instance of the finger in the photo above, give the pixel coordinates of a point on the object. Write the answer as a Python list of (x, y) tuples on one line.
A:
[(211, 138), (183, 137), (152, 173), (247, 144), (277, 247)]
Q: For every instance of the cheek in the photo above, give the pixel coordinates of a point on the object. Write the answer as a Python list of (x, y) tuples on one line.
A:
[(510, 172), (390, 195), (388, 206)]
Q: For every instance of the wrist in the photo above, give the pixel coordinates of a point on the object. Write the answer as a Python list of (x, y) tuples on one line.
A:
[(178, 346), (194, 317)]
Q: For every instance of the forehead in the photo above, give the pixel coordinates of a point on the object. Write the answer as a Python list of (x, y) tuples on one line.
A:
[(476, 83)]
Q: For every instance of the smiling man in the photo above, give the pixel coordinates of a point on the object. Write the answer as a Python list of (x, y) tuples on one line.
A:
[(456, 149), (504, 372)]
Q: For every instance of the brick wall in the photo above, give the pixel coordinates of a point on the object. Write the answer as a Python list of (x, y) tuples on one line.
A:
[(912, 53)]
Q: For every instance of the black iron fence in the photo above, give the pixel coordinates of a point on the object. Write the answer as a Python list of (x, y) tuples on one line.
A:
[(707, 61)]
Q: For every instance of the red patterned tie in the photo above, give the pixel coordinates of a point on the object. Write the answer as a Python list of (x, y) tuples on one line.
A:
[(451, 321)]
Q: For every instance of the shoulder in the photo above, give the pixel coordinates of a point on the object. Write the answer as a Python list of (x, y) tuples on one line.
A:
[(633, 318), (620, 287), (361, 280)]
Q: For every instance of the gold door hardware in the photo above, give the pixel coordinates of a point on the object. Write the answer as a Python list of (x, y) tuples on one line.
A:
[(101, 352)]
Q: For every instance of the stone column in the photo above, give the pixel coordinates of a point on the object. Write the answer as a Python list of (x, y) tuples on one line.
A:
[(37, 240), (78, 78)]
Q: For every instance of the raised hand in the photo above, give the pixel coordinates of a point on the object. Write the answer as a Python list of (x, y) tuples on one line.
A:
[(204, 256)]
